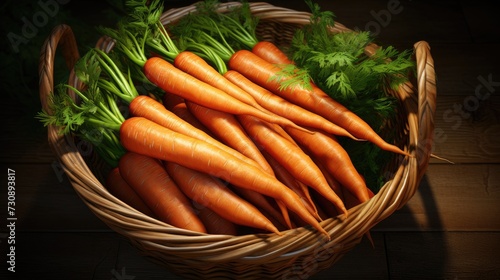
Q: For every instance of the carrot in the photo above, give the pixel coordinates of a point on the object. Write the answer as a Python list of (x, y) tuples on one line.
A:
[(144, 106), (200, 69), (175, 81), (150, 180), (118, 187), (335, 159), (324, 206), (214, 223), (253, 197), (284, 108), (146, 137), (212, 193), (298, 187), (227, 129), (334, 184), (177, 105), (271, 53), (262, 203), (313, 99), (291, 157), (352, 201)]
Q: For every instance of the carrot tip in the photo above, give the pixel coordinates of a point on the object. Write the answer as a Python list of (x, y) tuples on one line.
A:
[(344, 215)]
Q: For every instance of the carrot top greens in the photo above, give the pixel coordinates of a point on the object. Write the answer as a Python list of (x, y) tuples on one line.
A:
[(339, 65), (94, 116)]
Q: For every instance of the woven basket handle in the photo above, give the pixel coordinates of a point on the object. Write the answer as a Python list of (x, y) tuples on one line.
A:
[(426, 84), (62, 35)]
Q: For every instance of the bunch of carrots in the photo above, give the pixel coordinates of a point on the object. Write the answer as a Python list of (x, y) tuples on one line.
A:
[(217, 138)]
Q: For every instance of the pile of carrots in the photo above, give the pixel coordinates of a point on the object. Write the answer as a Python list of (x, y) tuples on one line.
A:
[(224, 152)]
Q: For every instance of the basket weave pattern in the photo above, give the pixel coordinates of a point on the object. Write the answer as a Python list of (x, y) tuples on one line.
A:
[(298, 252)]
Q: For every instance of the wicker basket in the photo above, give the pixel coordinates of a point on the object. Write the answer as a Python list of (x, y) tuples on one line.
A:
[(299, 252)]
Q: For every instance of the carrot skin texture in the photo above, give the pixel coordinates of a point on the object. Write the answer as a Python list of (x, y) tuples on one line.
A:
[(261, 72), (118, 187), (253, 197), (334, 159), (283, 107), (261, 202), (150, 180), (147, 107), (227, 129), (214, 223), (146, 137), (298, 187), (197, 67), (173, 80), (271, 53), (228, 126), (291, 157), (177, 105), (210, 192)]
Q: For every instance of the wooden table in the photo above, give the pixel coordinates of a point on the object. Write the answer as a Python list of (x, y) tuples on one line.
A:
[(450, 229)]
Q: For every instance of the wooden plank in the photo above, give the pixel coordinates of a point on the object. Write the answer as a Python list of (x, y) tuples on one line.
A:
[(468, 134), (24, 141), (46, 202), (443, 255), (373, 260), (362, 262), (61, 256), (414, 255), (85, 255), (461, 68), (451, 197), (464, 134), (444, 201)]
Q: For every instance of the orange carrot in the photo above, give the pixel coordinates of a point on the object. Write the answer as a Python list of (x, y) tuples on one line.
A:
[(271, 53), (313, 99), (150, 180), (253, 197), (144, 106), (214, 223), (261, 202), (143, 136), (177, 105), (351, 200), (282, 107), (291, 157), (118, 187), (335, 159), (334, 184), (298, 187), (324, 206), (197, 67), (227, 129), (212, 193), (175, 81)]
